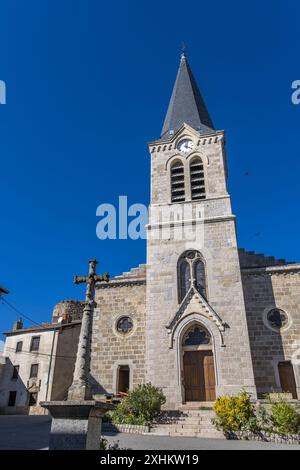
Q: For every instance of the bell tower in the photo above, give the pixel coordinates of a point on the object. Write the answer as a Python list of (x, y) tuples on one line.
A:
[(197, 343)]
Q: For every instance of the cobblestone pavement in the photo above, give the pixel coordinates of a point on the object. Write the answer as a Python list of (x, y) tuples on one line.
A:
[(32, 432)]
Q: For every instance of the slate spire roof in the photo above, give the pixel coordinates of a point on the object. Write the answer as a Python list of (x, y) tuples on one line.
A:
[(186, 104)]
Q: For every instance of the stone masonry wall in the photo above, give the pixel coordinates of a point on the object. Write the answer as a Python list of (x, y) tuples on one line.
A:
[(110, 348), (67, 344), (265, 289), (70, 310), (233, 365)]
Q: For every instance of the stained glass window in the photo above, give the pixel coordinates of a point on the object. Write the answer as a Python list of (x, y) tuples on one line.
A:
[(277, 318), (191, 271), (199, 273), (197, 336), (185, 277), (124, 325)]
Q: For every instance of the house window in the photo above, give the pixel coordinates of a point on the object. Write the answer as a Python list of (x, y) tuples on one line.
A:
[(19, 346), (15, 374), (191, 272), (177, 182), (12, 398), (34, 371), (197, 179), (35, 343)]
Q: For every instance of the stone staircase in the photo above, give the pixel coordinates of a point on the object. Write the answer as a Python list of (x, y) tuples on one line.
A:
[(188, 421)]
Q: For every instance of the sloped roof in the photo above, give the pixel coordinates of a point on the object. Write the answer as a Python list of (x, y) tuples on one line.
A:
[(186, 104)]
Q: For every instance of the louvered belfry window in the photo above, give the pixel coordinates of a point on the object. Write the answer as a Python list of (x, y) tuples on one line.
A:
[(177, 182), (197, 179)]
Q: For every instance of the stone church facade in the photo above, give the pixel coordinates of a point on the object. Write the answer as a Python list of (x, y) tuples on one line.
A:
[(202, 317)]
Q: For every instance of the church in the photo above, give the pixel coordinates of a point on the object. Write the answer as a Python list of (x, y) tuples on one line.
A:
[(202, 317)]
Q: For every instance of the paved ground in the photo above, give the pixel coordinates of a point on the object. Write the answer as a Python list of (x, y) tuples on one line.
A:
[(24, 432), (134, 441), (32, 432)]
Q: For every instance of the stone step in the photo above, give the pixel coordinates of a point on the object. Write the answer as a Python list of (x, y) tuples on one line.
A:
[(195, 420), (203, 433), (190, 421), (185, 426), (191, 405), (196, 413)]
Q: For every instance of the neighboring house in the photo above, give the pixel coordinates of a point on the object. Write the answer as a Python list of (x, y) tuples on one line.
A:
[(38, 362), (2, 365)]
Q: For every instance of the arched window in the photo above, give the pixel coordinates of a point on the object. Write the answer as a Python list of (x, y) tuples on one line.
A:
[(177, 182), (184, 278), (197, 179), (199, 275), (196, 336), (191, 271)]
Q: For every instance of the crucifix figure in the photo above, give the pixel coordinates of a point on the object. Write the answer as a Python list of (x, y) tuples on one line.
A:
[(80, 388)]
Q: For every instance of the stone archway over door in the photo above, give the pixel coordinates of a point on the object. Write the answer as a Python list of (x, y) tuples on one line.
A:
[(198, 365)]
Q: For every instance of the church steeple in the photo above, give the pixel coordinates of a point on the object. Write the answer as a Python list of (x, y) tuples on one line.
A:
[(186, 104)]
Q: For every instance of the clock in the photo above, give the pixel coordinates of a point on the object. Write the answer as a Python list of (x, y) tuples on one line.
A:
[(185, 145)]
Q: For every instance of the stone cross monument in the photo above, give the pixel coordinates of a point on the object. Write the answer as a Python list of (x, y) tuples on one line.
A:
[(80, 388), (76, 422)]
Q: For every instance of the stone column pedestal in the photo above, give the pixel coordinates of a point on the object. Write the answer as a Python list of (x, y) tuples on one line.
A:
[(76, 425)]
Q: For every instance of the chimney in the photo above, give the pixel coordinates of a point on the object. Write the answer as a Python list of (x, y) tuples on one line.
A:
[(18, 325)]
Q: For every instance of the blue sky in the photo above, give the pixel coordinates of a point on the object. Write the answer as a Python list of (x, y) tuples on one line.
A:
[(84, 77)]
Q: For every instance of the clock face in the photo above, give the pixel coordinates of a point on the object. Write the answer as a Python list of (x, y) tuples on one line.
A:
[(185, 145)]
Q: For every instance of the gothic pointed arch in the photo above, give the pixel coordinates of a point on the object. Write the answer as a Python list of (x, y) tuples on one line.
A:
[(191, 273), (195, 304), (196, 335)]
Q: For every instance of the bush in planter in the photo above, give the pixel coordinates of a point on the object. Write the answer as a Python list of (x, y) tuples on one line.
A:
[(141, 406), (235, 413), (285, 418)]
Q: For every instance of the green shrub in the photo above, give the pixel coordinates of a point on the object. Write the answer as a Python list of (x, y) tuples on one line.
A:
[(141, 406), (285, 418), (263, 419), (234, 413)]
